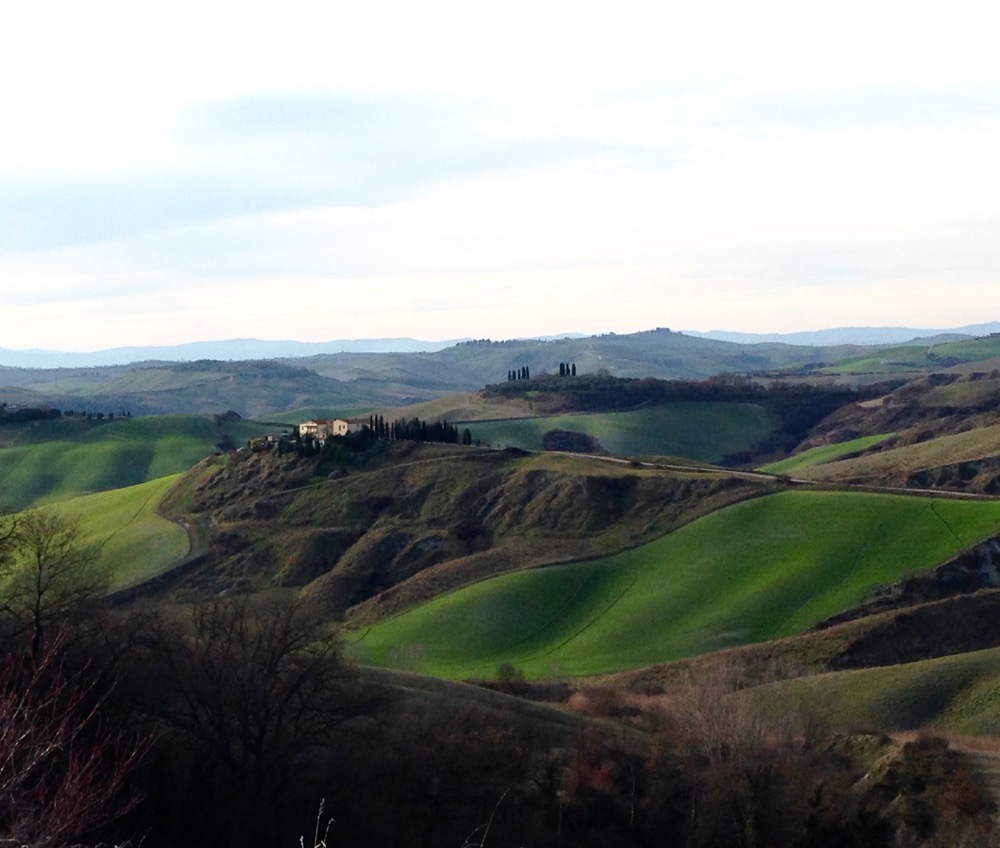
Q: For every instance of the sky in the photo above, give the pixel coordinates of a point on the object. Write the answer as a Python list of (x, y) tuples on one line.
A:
[(175, 172)]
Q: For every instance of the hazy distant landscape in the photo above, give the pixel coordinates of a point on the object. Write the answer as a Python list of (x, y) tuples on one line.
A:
[(265, 386)]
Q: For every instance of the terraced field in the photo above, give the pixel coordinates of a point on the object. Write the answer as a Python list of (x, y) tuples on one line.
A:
[(704, 431), (761, 569)]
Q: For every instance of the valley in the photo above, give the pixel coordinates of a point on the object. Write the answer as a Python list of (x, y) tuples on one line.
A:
[(605, 548)]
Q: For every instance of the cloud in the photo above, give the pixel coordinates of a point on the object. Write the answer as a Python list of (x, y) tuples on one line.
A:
[(463, 161)]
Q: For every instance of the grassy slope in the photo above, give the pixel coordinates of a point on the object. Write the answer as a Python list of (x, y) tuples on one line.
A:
[(935, 453), (60, 459), (784, 562), (912, 357), (959, 694), (465, 407), (826, 453), (135, 541), (701, 431)]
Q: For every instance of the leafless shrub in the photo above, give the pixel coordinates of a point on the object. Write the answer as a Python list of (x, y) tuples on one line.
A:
[(62, 769), (318, 839)]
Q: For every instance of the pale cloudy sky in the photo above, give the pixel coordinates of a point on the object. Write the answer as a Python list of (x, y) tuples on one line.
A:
[(178, 171)]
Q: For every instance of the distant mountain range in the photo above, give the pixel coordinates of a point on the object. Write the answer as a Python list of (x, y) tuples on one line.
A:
[(850, 335), (246, 376), (254, 349), (230, 349)]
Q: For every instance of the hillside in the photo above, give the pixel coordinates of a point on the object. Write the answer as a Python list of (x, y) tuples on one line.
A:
[(410, 520), (749, 572), (705, 431), (730, 420), (253, 389), (259, 388), (53, 459), (684, 616), (939, 431)]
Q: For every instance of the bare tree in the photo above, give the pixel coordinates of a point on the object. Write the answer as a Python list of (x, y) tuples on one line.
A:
[(259, 692), (62, 767), (740, 750), (47, 572)]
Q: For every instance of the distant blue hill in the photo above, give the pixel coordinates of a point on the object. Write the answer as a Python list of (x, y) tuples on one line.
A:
[(235, 349), (850, 335), (254, 349)]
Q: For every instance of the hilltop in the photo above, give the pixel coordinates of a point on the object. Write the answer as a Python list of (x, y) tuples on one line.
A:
[(263, 387)]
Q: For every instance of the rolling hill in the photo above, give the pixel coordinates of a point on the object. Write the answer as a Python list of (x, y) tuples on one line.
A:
[(135, 541), (750, 572), (698, 431), (51, 460), (452, 560)]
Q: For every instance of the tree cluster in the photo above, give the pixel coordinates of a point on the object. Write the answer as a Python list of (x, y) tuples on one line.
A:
[(24, 414), (416, 430), (522, 373), (567, 369)]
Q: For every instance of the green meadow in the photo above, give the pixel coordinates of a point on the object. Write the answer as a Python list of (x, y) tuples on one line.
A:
[(135, 542), (958, 694), (703, 431), (911, 357), (824, 453), (944, 450), (754, 571), (59, 459)]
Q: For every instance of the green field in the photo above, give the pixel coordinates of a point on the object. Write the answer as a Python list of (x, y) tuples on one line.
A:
[(935, 453), (135, 541), (761, 569), (917, 357), (958, 694), (704, 431), (59, 459), (825, 453)]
